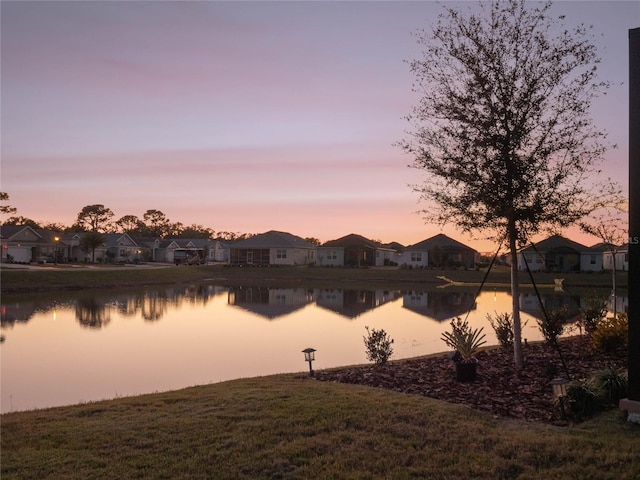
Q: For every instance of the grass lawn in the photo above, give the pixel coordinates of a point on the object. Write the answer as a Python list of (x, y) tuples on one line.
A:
[(291, 427), (61, 278)]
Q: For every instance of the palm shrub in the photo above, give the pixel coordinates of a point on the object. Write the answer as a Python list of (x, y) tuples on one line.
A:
[(378, 344), (463, 339), (611, 385), (583, 398), (502, 324)]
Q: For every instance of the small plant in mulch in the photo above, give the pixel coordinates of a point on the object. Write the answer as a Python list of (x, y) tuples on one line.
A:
[(464, 340), (502, 324), (379, 345)]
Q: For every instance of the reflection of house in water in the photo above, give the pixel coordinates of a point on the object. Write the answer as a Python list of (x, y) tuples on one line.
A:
[(530, 304), (352, 303), (12, 313), (270, 302), (439, 306)]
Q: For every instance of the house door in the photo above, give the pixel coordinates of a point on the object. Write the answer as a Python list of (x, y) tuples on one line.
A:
[(250, 256)]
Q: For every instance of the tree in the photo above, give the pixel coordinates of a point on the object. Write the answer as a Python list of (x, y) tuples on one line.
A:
[(21, 221), (6, 209), (609, 222), (502, 127), (158, 225), (95, 218), (196, 231), (131, 224), (90, 241)]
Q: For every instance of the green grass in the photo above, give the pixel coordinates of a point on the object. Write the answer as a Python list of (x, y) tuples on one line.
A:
[(16, 281), (290, 427)]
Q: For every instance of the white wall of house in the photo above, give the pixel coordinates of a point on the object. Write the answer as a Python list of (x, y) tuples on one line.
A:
[(591, 262), (291, 256), (622, 260), (330, 257), (534, 260), (414, 258)]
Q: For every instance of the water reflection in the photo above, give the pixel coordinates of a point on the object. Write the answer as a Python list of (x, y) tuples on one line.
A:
[(94, 346), (438, 305)]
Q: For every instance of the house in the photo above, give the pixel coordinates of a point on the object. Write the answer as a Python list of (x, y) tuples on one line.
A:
[(621, 258), (121, 248), (591, 259), (25, 244), (355, 251), (219, 250), (439, 251), (556, 253), (272, 248)]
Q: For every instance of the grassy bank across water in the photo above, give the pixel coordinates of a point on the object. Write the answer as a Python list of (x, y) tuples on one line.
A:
[(69, 278), (292, 427)]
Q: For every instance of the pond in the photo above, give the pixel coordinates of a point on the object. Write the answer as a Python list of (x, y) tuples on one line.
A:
[(94, 346)]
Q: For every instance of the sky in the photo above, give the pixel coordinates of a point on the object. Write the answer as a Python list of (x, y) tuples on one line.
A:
[(240, 116)]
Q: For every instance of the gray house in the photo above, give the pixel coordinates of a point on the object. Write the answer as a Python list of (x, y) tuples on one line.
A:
[(272, 248)]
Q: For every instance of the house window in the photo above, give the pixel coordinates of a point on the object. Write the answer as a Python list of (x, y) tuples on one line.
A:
[(416, 256), (593, 259), (281, 253), (332, 255)]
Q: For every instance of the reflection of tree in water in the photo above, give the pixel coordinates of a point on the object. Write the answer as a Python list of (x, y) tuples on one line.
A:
[(153, 306), (92, 313)]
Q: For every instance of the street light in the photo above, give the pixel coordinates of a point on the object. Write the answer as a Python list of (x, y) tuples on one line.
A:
[(55, 255), (309, 356)]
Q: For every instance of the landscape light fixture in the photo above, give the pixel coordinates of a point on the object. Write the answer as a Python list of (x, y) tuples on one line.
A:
[(309, 356), (559, 389)]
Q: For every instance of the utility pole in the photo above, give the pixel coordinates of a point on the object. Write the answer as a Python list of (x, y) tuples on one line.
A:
[(631, 405)]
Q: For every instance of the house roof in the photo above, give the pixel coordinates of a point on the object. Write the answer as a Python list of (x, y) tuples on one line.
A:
[(274, 239), (8, 231), (555, 243), (351, 240), (440, 241)]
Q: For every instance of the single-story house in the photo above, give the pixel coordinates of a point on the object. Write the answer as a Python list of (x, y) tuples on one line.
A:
[(555, 253), (355, 251), (121, 248), (621, 258), (591, 259), (439, 251), (25, 244), (272, 248)]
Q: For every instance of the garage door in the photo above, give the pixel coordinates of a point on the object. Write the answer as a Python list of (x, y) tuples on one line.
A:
[(20, 254)]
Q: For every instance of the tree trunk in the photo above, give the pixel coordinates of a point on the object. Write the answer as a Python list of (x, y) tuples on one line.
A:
[(515, 297)]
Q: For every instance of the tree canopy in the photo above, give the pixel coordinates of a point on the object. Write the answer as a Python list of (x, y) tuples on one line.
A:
[(502, 127)]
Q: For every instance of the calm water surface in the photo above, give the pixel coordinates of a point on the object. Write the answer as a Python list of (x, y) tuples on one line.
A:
[(100, 346)]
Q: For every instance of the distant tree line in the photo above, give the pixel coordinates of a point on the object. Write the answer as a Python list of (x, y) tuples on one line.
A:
[(100, 219)]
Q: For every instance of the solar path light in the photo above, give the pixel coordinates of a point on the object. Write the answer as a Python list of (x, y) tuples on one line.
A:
[(309, 356)]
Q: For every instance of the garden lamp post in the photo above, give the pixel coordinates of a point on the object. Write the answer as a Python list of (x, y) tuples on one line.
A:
[(309, 356), (559, 389)]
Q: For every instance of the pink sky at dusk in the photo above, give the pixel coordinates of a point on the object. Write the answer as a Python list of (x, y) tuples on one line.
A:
[(239, 116)]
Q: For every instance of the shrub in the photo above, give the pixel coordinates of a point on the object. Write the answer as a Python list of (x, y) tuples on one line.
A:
[(502, 324), (552, 324), (463, 339), (583, 399), (378, 344), (612, 334), (611, 385), (594, 310)]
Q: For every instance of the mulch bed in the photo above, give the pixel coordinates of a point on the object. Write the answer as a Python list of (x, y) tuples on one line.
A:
[(497, 389)]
